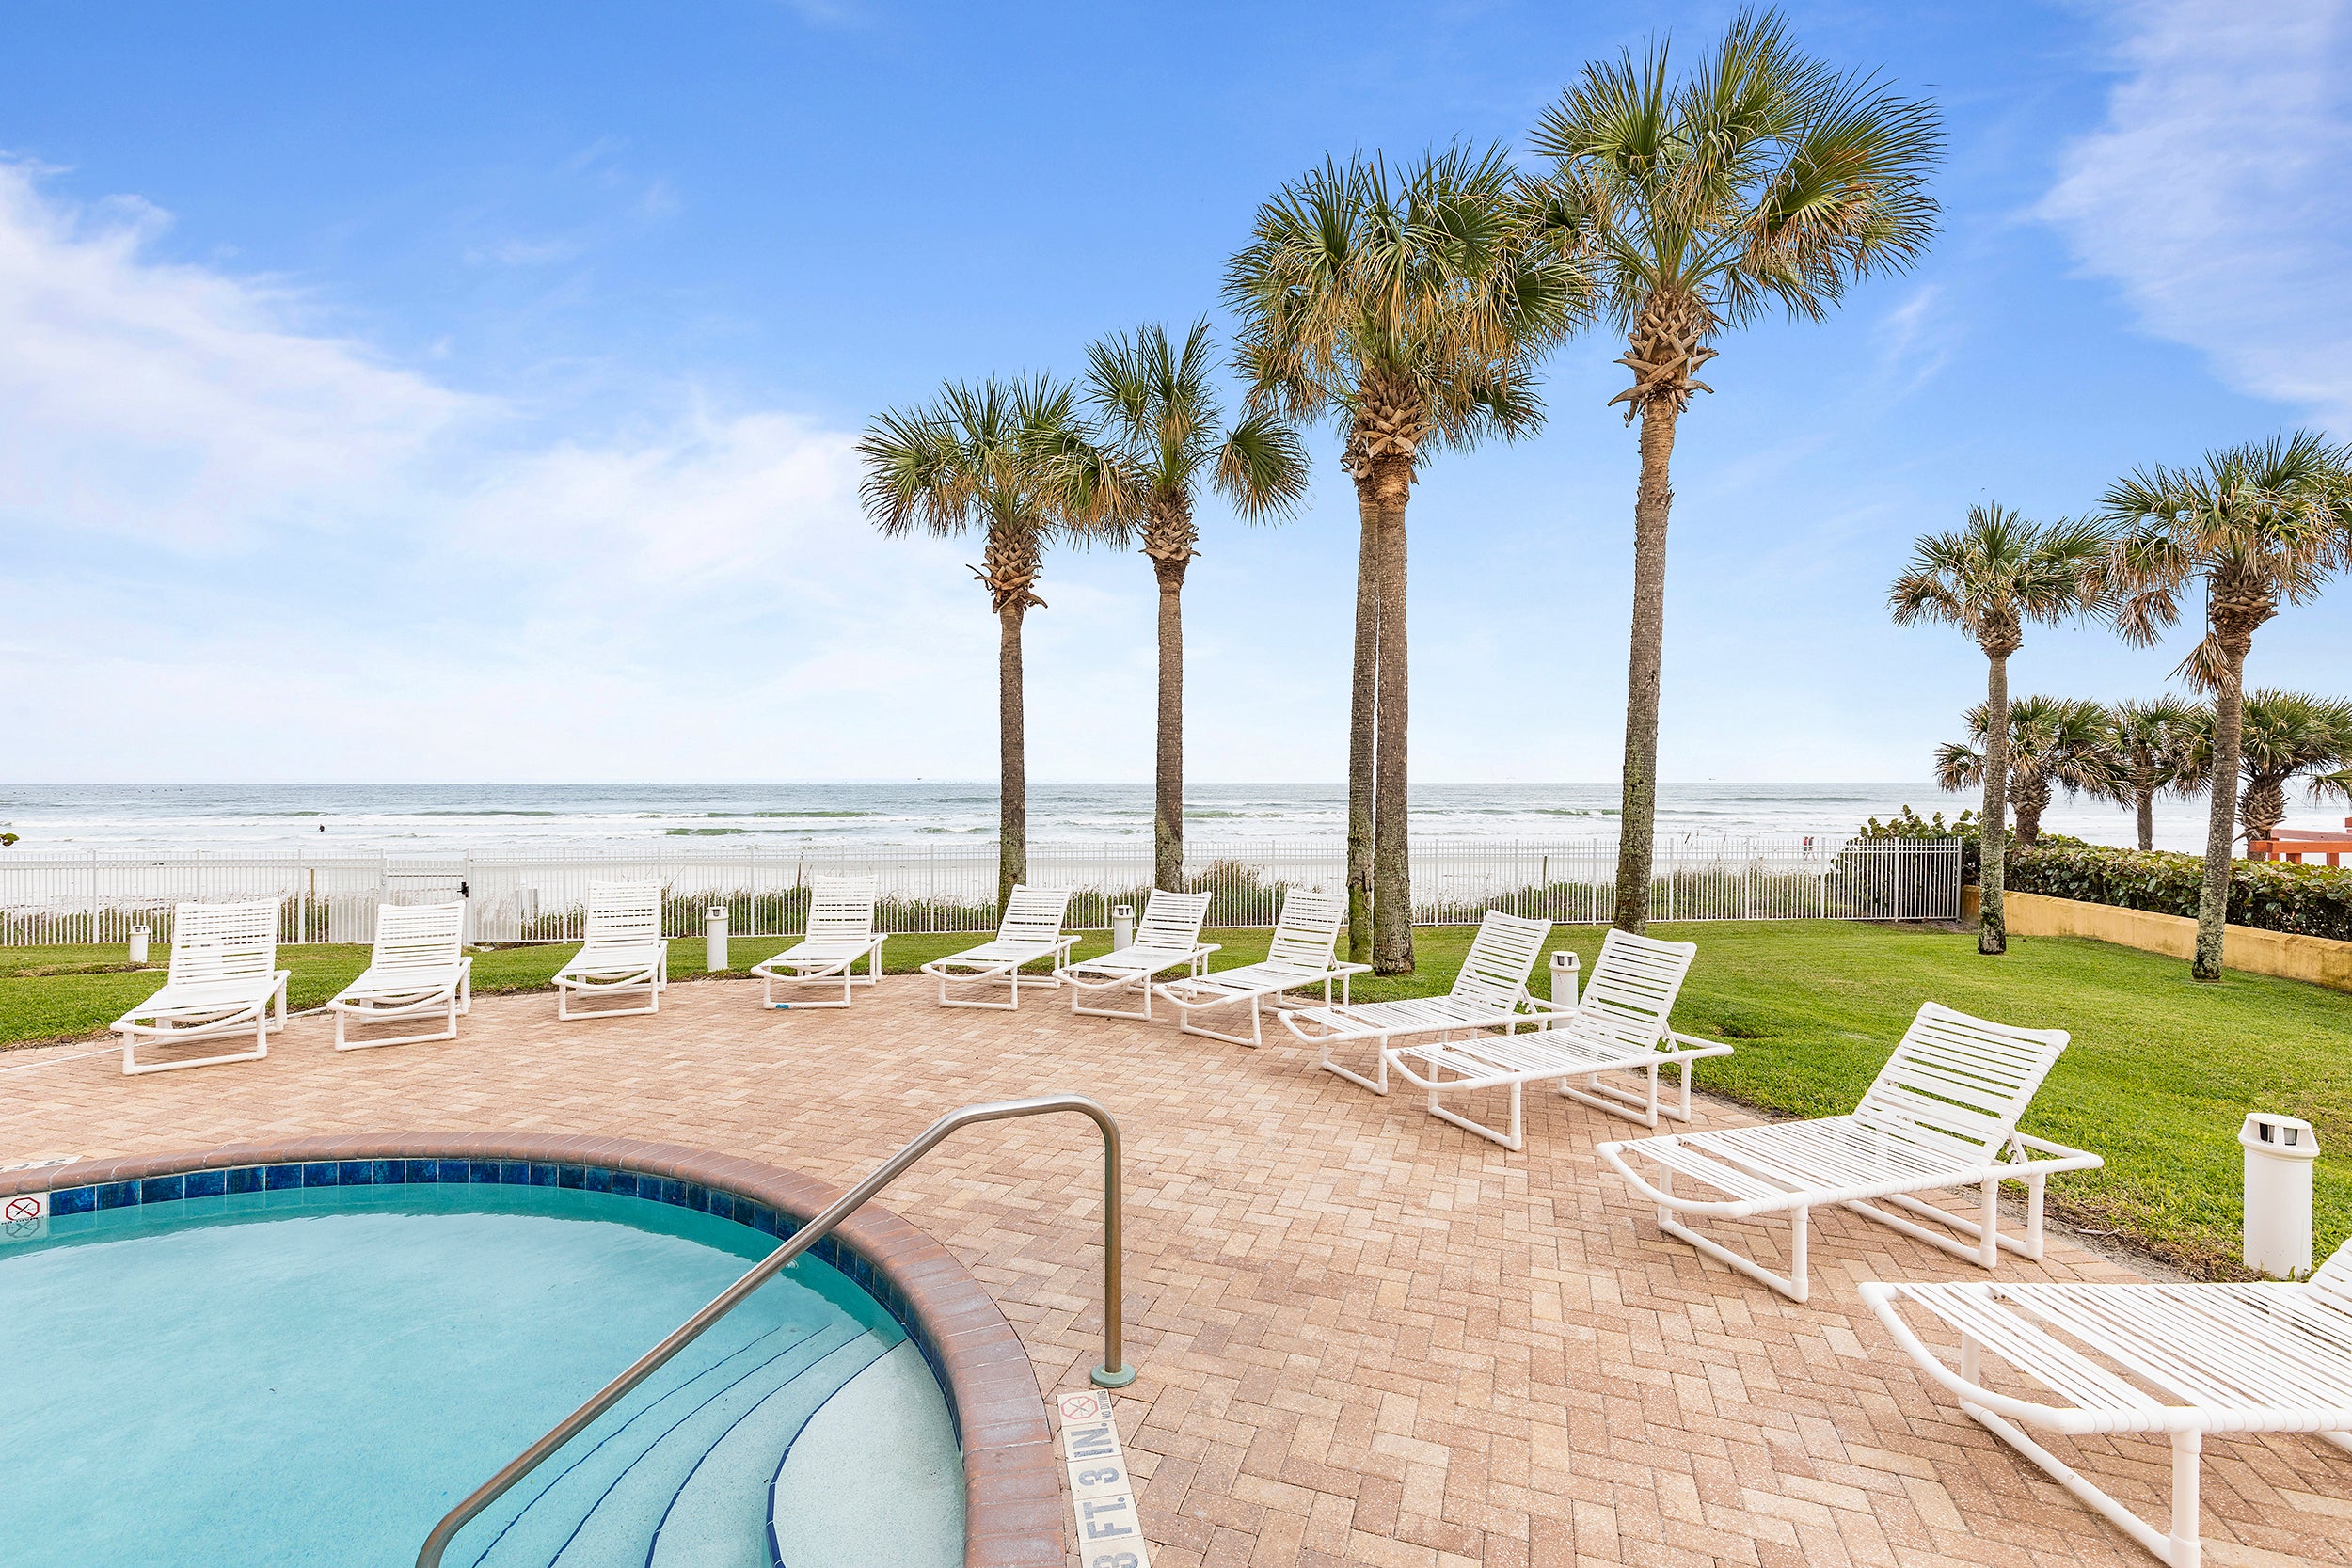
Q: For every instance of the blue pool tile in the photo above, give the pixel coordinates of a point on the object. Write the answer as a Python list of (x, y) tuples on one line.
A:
[(452, 1171), (425, 1171), (697, 1196), (542, 1176), (600, 1179), (388, 1173), (319, 1173), (206, 1183), (572, 1176), (161, 1189), (672, 1192), (354, 1173), (277, 1178), (117, 1194), (73, 1200), (621, 1182), (483, 1171), (245, 1178), (514, 1173)]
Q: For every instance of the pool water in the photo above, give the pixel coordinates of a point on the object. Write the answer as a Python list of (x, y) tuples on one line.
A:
[(315, 1377)]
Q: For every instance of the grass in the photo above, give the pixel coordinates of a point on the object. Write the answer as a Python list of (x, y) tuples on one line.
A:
[(2160, 1074)]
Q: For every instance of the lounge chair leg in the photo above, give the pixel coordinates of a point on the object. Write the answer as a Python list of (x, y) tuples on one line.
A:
[(2186, 1548), (2033, 1218), (1989, 1231)]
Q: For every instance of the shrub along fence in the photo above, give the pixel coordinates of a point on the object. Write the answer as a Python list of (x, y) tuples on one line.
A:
[(2304, 900), (543, 896)]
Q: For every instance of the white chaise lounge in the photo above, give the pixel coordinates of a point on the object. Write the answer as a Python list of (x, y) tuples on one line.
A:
[(1619, 1025), (2174, 1361), (224, 980), (1942, 1114), (840, 932), (1030, 933), (625, 952), (1489, 994), (1306, 939), (1169, 937), (419, 970)]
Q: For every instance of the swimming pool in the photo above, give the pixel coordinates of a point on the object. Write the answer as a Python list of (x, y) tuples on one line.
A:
[(240, 1370)]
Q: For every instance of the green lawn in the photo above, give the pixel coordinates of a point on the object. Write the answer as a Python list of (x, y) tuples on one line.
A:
[(2159, 1077)]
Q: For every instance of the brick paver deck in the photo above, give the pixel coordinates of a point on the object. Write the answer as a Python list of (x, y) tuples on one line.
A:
[(1364, 1336)]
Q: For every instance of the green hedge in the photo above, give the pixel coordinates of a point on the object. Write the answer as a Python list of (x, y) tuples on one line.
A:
[(2309, 901)]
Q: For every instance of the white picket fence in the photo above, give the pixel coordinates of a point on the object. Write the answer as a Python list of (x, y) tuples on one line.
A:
[(50, 897)]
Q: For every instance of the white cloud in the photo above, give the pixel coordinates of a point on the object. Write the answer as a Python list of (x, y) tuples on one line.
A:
[(178, 405), (2214, 195)]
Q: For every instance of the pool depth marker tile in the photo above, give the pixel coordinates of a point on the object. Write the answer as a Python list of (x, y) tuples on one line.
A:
[(1102, 1493)]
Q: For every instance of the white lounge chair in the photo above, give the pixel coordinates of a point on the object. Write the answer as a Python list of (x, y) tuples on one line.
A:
[(1491, 993), (1620, 1024), (223, 980), (1942, 1114), (1169, 937), (1029, 933), (625, 952), (2175, 1361), (419, 970), (1306, 937), (840, 932)]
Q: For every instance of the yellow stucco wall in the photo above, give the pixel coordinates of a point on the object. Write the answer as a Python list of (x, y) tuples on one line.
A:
[(2280, 953)]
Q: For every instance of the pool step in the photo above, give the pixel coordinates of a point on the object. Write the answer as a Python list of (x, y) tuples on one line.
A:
[(601, 1502)]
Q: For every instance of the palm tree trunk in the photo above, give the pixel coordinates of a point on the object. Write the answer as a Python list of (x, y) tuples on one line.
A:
[(2213, 899), (1012, 769), (1637, 820), (1361, 715), (1992, 919), (1392, 866), (2147, 818), (1168, 808)]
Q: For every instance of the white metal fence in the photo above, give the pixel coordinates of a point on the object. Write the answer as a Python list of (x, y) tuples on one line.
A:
[(54, 899)]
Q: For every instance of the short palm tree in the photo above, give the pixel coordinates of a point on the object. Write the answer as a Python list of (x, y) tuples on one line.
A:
[(1412, 305), (1760, 179), (1006, 458), (2053, 743), (2284, 737), (1159, 418), (1989, 578), (2151, 756), (2256, 526)]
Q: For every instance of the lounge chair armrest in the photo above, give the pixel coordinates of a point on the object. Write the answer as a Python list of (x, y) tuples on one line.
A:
[(1690, 1048), (1338, 969), (2054, 1157)]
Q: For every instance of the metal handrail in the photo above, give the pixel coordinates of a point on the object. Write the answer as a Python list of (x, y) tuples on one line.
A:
[(1113, 1373)]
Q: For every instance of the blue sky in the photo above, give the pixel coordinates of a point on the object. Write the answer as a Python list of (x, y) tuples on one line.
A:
[(448, 392)]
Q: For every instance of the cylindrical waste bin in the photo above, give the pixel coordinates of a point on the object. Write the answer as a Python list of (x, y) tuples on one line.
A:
[(715, 938), (138, 945), (1122, 925), (2278, 1155), (1563, 979)]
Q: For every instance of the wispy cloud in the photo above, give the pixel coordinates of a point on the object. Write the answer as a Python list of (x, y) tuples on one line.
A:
[(2213, 193)]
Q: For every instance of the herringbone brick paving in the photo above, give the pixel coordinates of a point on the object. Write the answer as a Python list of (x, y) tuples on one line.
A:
[(1365, 1336)]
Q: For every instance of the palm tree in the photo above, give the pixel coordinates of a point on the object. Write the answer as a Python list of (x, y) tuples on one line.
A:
[(1989, 578), (1762, 178), (1159, 414), (2054, 743), (2257, 526), (2151, 756), (1006, 458), (2284, 735), (1411, 304)]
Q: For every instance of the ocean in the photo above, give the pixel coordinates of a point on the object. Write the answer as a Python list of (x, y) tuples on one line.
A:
[(443, 818)]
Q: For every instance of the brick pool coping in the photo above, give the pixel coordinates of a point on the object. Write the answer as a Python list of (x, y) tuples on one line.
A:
[(1012, 1479)]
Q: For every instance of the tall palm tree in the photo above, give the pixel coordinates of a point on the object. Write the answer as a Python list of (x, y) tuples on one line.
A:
[(2053, 743), (2151, 756), (1006, 458), (1160, 419), (1989, 578), (1760, 179), (2283, 736), (2257, 526), (1411, 304)]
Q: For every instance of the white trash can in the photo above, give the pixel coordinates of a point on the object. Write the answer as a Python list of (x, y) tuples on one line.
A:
[(715, 938), (1122, 925), (138, 943), (1563, 979), (2278, 1155)]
